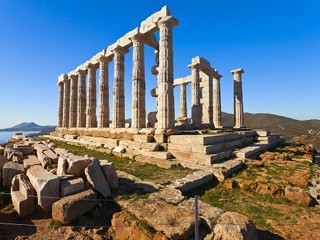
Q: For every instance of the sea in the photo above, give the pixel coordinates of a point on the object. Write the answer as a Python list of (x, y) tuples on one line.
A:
[(5, 136)]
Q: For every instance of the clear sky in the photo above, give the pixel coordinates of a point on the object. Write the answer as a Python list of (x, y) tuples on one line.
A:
[(276, 42)]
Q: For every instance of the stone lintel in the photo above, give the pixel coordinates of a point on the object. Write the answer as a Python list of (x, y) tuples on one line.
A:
[(183, 80), (168, 21), (150, 24), (73, 77), (119, 49), (93, 66), (238, 70)]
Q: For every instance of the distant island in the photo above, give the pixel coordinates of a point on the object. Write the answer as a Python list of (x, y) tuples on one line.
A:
[(31, 126)]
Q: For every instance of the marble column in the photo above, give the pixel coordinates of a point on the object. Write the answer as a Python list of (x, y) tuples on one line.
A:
[(118, 111), (216, 101), (138, 83), (81, 103), (183, 101), (104, 112), (196, 109), (165, 101), (66, 101), (73, 101), (91, 115), (238, 99), (60, 104)]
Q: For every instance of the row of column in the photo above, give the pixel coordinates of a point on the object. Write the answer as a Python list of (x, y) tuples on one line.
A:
[(195, 100), (77, 108)]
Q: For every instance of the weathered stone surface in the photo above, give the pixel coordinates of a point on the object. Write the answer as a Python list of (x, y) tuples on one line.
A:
[(71, 186), (269, 188), (232, 225), (13, 155), (96, 178), (53, 157), (24, 148), (3, 160), (205, 210), (22, 195), (170, 195), (175, 222), (143, 138), (77, 164), (60, 151), (110, 174), (44, 159), (46, 185), (62, 166), (10, 169), (298, 195), (30, 161), (119, 150), (51, 145), (69, 208), (224, 170), (40, 147)]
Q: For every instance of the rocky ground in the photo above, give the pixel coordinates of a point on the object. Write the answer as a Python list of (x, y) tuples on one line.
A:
[(275, 197)]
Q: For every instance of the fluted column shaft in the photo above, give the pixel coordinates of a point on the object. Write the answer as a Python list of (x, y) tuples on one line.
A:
[(138, 84), (216, 101), (196, 110), (66, 103), (183, 101), (118, 111), (238, 98), (91, 115), (60, 107), (104, 114), (81, 103), (165, 107), (73, 101)]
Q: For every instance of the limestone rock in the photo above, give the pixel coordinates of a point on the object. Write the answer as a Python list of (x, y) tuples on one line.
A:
[(119, 150), (269, 188), (13, 155), (46, 185), (96, 178), (10, 169), (69, 208), (30, 161), (110, 174), (24, 148), (77, 164), (62, 166), (298, 195), (71, 186), (170, 195), (51, 145), (44, 159), (175, 222), (22, 195), (53, 157), (232, 225), (60, 151), (40, 147)]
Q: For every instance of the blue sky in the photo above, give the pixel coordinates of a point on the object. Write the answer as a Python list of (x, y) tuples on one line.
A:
[(277, 43)]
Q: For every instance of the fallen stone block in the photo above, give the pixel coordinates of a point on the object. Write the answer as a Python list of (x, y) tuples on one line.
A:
[(30, 161), (110, 174), (24, 148), (62, 166), (77, 164), (40, 147), (174, 221), (143, 138), (53, 157), (51, 145), (46, 185), (13, 155), (44, 159), (96, 178), (69, 208), (22, 195), (119, 150), (170, 195), (232, 225), (71, 186), (60, 151), (10, 169)]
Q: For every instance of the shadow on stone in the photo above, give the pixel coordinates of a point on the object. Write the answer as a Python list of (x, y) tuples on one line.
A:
[(267, 235)]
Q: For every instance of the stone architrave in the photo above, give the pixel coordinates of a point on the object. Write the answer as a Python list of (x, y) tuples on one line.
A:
[(165, 100), (196, 110), (104, 114), (183, 101), (138, 83), (217, 101), (66, 101), (91, 115), (81, 103), (238, 98), (60, 104), (118, 114), (73, 101)]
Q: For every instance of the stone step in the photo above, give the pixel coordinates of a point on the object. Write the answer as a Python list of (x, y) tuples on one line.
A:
[(216, 148), (268, 139), (218, 157), (160, 162)]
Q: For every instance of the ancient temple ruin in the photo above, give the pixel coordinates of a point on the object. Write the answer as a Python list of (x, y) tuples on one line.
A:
[(78, 96)]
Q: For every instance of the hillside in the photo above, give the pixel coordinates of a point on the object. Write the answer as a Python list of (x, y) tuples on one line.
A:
[(27, 127), (285, 126)]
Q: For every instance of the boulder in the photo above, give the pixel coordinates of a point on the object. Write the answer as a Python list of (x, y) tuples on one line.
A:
[(60, 151), (62, 166), (10, 169), (110, 174), (22, 195), (71, 186), (96, 178), (298, 195), (46, 185), (175, 222), (69, 208), (77, 164), (232, 225), (30, 161)]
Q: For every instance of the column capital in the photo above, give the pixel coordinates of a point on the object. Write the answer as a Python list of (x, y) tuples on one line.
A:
[(63, 77), (82, 72), (138, 37), (73, 77), (168, 21), (238, 70), (217, 76), (195, 66), (105, 59), (119, 49), (92, 66)]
